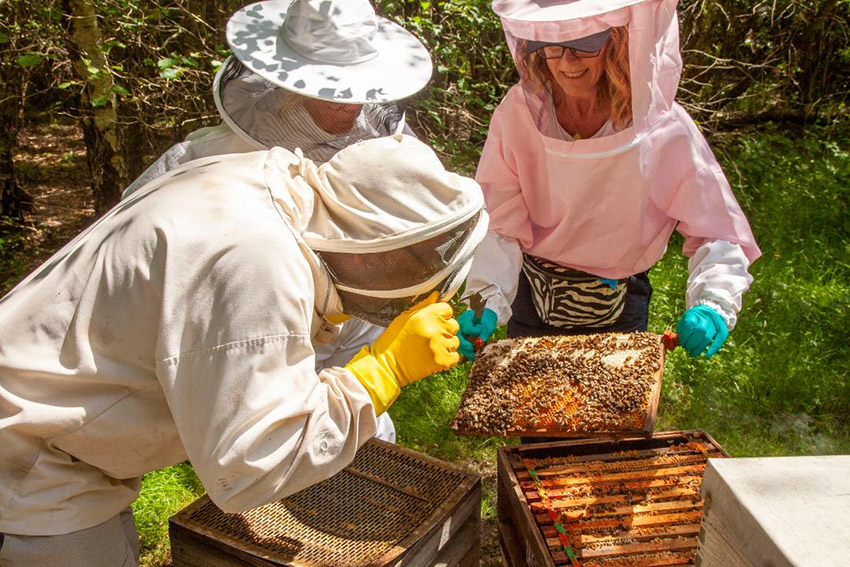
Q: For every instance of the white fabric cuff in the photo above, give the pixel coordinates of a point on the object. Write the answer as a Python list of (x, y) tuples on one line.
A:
[(718, 278), (495, 273)]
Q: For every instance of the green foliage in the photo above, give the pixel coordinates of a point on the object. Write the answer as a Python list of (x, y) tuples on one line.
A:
[(175, 66), (160, 58), (10, 264), (786, 57), (32, 58), (29, 59), (469, 80), (13, 249)]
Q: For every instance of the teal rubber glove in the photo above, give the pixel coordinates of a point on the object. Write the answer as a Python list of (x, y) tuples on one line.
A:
[(612, 283), (471, 329), (465, 348), (701, 327)]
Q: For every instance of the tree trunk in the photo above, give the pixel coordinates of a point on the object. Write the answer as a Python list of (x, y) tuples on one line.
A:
[(98, 111), (14, 201)]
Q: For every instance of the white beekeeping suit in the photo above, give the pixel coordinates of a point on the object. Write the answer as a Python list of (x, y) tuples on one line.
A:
[(181, 325), (293, 56)]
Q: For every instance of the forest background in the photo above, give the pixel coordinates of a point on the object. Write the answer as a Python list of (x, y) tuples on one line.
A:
[(92, 91)]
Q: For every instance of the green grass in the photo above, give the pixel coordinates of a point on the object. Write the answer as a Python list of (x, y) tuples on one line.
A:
[(164, 492), (779, 386)]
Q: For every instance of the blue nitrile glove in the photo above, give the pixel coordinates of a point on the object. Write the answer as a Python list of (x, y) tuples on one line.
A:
[(485, 327), (701, 327), (610, 282)]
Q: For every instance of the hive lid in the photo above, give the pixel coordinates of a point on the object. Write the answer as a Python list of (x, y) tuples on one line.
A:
[(779, 511), (368, 513), (606, 384)]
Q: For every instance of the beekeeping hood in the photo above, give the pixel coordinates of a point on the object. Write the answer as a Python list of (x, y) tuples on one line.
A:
[(387, 224), (654, 60), (332, 50)]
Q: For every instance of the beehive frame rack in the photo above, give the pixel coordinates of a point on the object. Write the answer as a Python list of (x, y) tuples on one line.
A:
[(603, 502)]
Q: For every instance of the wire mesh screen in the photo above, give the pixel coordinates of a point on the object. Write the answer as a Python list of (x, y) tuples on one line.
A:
[(352, 519)]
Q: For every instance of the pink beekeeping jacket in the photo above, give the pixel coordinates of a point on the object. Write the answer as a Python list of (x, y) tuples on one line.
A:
[(608, 205)]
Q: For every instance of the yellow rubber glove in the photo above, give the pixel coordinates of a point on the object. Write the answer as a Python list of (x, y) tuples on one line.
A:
[(418, 343)]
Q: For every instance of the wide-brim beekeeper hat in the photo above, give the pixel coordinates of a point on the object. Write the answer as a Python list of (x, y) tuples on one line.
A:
[(337, 50), (390, 225)]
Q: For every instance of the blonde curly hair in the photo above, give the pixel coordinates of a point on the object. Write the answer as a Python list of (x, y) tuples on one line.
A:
[(614, 93)]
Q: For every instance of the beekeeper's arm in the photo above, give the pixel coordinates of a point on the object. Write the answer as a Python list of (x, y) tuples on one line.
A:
[(720, 247), (237, 370), (498, 259)]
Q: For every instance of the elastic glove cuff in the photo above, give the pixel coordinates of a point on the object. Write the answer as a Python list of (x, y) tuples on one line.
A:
[(380, 383), (722, 311)]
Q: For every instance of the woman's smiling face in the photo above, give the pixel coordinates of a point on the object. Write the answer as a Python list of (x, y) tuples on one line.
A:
[(578, 76)]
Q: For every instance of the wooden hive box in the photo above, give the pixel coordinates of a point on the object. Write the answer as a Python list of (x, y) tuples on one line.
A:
[(776, 511), (632, 501), (564, 386), (391, 506)]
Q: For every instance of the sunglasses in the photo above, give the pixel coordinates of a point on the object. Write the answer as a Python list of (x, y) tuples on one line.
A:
[(556, 51)]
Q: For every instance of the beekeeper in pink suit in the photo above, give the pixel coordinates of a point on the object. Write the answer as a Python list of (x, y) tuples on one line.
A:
[(589, 166), (183, 325), (318, 75)]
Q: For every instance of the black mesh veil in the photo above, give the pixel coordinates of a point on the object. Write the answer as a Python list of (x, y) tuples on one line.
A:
[(377, 287)]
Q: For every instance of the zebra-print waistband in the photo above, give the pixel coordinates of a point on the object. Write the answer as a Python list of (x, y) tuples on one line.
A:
[(567, 298)]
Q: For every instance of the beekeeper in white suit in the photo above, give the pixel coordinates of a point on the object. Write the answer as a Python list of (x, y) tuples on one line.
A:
[(183, 324), (317, 75), (312, 74)]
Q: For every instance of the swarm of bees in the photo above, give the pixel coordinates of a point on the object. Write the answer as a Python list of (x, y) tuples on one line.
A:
[(563, 386)]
